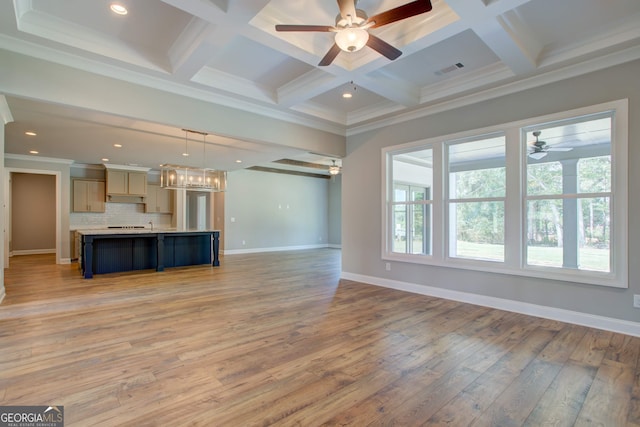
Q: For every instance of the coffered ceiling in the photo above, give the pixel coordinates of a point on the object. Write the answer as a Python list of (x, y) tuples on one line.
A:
[(460, 51)]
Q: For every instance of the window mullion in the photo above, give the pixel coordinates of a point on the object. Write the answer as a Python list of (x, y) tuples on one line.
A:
[(513, 209)]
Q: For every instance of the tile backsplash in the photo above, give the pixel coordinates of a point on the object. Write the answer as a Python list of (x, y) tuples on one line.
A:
[(118, 214)]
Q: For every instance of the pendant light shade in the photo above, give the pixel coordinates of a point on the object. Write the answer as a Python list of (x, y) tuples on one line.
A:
[(352, 39)]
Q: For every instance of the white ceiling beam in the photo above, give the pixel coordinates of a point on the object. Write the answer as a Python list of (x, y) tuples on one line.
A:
[(213, 27), (508, 43), (502, 31), (306, 87), (192, 50)]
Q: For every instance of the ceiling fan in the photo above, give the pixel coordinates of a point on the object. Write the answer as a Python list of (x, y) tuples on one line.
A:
[(539, 149), (352, 25)]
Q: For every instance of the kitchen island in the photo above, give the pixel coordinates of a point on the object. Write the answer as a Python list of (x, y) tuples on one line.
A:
[(110, 251)]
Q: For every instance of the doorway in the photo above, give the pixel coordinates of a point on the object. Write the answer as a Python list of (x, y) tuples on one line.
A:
[(198, 212), (32, 214)]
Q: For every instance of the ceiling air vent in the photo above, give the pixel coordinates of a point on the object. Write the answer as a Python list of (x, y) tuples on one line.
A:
[(449, 69)]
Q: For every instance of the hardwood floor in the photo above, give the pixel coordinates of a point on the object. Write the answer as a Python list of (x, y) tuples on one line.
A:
[(278, 339)]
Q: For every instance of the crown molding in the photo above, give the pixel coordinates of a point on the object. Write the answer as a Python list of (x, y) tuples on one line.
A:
[(37, 159), (5, 111)]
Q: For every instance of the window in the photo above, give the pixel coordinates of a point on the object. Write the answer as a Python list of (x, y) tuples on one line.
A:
[(544, 197), (411, 202), (476, 180), (568, 194)]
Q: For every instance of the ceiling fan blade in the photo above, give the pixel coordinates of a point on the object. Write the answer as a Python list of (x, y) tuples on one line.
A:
[(401, 12), (330, 56), (347, 8), (383, 47), (318, 28)]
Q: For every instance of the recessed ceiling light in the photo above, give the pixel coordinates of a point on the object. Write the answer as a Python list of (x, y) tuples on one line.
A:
[(33, 152), (347, 95), (185, 154), (105, 159), (238, 161), (117, 145), (30, 133), (118, 8)]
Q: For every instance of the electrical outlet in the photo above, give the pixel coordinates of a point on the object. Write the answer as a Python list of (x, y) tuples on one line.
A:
[(636, 301), (387, 266)]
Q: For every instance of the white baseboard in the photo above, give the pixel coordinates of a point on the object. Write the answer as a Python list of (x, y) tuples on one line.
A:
[(65, 260), (559, 314), (274, 249), (33, 252)]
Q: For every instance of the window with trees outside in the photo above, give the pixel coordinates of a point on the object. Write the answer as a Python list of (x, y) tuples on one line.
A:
[(477, 189), (411, 202), (544, 197)]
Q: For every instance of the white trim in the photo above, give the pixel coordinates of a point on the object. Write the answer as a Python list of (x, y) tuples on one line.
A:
[(37, 159), (575, 317), (273, 249), (109, 166), (33, 252), (5, 111)]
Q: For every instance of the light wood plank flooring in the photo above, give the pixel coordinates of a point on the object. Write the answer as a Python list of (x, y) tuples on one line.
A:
[(278, 339)]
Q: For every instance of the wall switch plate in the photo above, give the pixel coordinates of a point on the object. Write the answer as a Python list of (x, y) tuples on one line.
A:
[(387, 266), (636, 301)]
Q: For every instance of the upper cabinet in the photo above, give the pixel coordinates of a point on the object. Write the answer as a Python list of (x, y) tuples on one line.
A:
[(126, 183), (88, 196), (159, 200)]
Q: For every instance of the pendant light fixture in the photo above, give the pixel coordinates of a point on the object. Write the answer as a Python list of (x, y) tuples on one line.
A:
[(176, 177)]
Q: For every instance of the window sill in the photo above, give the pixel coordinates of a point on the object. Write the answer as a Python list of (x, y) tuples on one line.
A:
[(546, 273)]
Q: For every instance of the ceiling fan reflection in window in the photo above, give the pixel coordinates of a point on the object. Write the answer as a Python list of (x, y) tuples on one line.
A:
[(352, 27), (539, 149)]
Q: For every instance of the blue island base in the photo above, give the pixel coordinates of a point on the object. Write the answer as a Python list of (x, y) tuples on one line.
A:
[(111, 253)]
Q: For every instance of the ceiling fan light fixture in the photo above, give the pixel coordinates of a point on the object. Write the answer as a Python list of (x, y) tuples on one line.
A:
[(334, 169), (352, 39)]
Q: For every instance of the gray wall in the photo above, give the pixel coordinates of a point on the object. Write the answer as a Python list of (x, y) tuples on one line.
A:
[(33, 212), (275, 211), (362, 222)]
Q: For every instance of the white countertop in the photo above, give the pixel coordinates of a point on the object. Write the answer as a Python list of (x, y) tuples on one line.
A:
[(107, 231)]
